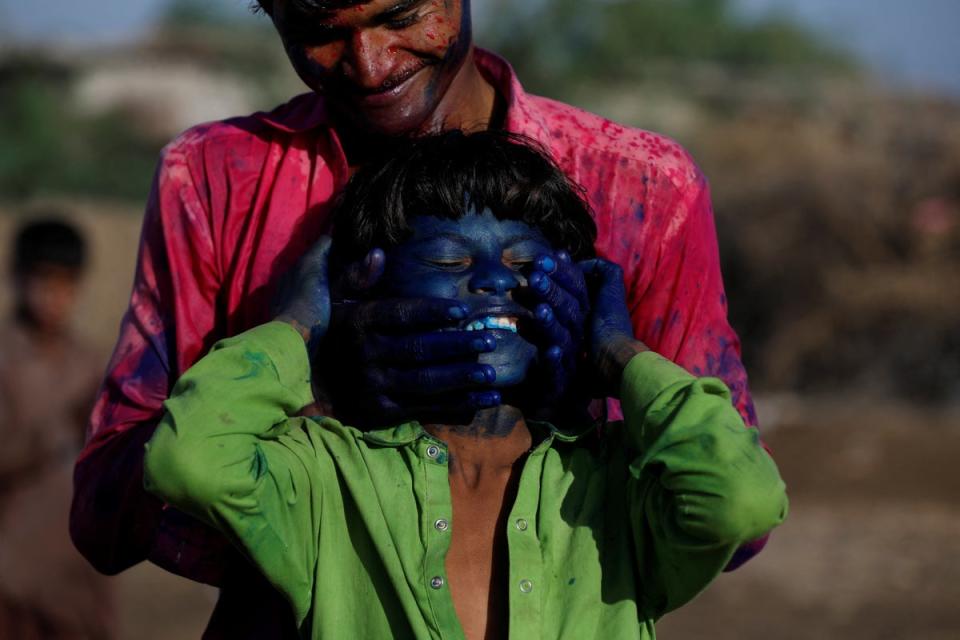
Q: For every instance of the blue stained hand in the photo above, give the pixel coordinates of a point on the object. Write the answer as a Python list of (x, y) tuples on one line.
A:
[(609, 339), (304, 295), (557, 294), (400, 364)]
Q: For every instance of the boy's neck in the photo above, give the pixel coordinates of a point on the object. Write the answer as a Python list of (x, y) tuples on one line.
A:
[(493, 442)]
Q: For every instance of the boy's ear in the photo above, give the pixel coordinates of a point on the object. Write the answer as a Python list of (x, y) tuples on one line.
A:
[(357, 278)]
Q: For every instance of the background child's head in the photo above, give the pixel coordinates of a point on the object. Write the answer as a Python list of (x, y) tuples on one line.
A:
[(49, 257), (452, 174)]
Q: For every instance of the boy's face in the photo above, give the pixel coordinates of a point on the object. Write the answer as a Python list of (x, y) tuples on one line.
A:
[(48, 295), (480, 261)]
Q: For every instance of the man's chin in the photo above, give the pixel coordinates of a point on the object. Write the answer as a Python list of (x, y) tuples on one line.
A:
[(381, 121)]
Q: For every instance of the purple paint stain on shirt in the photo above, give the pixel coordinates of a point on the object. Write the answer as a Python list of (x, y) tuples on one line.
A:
[(639, 213)]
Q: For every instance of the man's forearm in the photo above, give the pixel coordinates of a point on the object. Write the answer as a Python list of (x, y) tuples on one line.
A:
[(113, 520)]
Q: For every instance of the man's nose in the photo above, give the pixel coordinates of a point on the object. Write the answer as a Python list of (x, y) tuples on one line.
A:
[(493, 279), (370, 58)]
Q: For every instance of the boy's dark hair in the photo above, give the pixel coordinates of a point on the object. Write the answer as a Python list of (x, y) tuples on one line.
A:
[(48, 242), (454, 173)]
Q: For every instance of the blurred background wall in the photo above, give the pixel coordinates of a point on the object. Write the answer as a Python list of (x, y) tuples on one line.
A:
[(830, 132)]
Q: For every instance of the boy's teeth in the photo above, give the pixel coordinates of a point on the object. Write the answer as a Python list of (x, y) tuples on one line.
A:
[(493, 322)]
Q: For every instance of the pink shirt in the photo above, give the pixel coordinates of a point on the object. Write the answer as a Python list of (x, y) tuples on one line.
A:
[(235, 203)]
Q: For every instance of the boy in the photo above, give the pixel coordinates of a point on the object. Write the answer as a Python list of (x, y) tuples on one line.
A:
[(484, 525), (48, 379)]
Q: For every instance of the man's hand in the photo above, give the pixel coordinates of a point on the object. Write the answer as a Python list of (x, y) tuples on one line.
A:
[(557, 295), (304, 298), (388, 359), (609, 339)]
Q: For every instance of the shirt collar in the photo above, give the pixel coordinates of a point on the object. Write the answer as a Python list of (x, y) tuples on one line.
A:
[(308, 111), (409, 432)]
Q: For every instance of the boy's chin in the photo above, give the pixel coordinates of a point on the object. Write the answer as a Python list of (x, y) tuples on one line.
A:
[(512, 359)]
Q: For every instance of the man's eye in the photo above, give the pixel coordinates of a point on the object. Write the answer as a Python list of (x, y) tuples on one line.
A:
[(403, 22)]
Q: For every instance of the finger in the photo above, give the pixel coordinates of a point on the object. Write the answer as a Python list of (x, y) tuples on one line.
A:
[(435, 347), (437, 379), (404, 315), (567, 276), (543, 329), (556, 372), (362, 275), (565, 306)]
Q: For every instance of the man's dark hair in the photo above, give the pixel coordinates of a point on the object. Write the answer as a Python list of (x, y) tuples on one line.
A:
[(307, 6), (48, 242), (455, 173)]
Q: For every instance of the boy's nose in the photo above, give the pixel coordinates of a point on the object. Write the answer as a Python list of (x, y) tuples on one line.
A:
[(493, 279)]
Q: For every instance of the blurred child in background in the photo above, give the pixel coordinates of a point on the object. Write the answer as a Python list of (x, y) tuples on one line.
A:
[(48, 378)]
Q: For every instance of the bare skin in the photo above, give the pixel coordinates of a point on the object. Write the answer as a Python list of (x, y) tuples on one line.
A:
[(486, 458), (389, 67)]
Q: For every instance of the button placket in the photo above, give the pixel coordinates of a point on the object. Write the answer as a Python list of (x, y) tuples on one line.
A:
[(526, 560), (435, 526)]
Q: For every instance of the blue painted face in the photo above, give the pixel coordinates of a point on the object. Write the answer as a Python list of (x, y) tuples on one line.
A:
[(480, 261)]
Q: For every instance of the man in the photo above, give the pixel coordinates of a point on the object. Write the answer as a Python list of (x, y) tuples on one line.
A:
[(235, 203), (487, 525), (48, 379)]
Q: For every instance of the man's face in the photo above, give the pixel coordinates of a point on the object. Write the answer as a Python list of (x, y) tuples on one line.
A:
[(384, 65), (481, 262)]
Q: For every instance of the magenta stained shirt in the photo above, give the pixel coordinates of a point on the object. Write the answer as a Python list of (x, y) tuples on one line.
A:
[(235, 203)]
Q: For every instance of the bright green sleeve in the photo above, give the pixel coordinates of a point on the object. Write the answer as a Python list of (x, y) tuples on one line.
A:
[(227, 453), (700, 482)]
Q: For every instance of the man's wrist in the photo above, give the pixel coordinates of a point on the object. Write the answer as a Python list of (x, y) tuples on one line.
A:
[(614, 357), (304, 331)]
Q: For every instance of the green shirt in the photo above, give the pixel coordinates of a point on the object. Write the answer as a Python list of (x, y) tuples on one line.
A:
[(353, 527)]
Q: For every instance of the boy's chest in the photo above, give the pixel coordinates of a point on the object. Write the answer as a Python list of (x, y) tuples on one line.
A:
[(477, 561)]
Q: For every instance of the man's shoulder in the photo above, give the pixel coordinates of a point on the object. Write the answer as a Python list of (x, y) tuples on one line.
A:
[(594, 141), (245, 134)]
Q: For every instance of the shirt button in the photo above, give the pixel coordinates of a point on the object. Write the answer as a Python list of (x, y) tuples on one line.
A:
[(441, 525), (521, 524), (526, 586), (436, 582), (433, 451)]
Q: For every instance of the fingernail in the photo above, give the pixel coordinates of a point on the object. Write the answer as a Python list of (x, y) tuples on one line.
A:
[(538, 281), (544, 313), (483, 374), (554, 353), (564, 256), (457, 313), (488, 399), (547, 264), (485, 343)]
